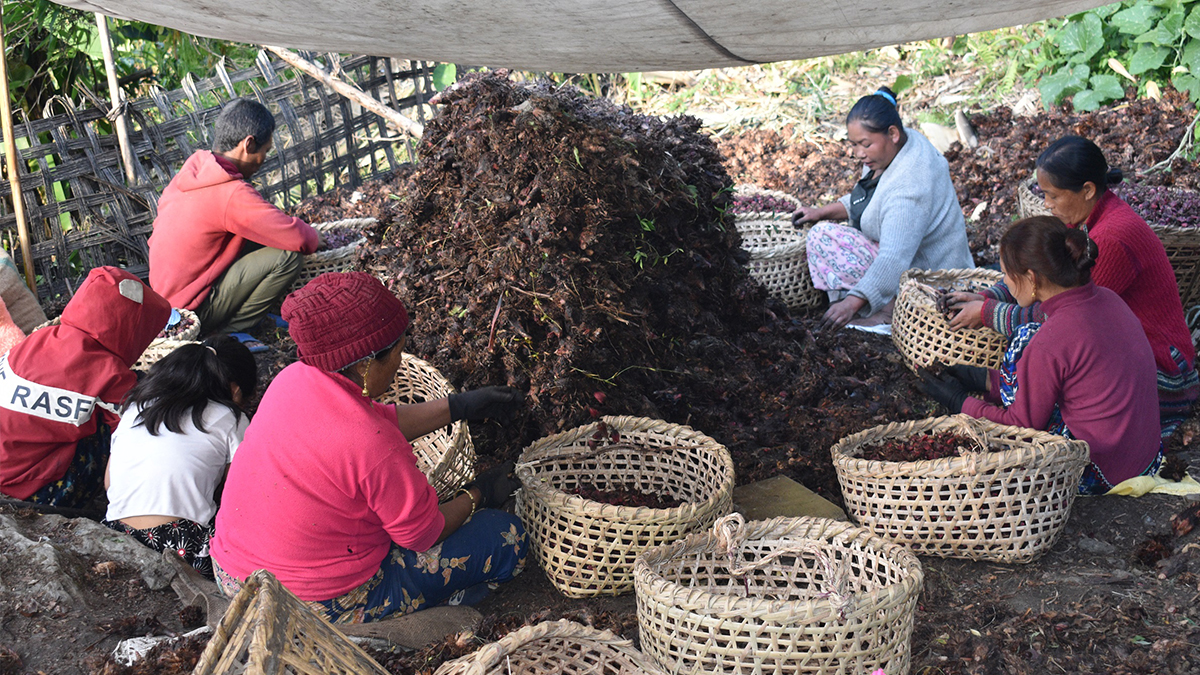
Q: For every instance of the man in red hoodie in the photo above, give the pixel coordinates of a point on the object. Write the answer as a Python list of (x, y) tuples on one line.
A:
[(218, 247), (61, 389)]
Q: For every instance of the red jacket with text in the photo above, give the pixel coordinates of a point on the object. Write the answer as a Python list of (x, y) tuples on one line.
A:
[(59, 383)]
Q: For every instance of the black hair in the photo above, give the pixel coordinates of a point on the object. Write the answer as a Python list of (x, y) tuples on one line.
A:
[(1062, 255), (189, 378), (877, 112), (376, 356), (240, 118), (1071, 161)]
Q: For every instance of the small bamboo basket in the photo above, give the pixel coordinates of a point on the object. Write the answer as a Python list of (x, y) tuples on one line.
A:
[(924, 336), (1007, 503), (159, 346), (269, 631), (553, 648), (788, 595), (333, 260), (779, 258), (446, 456), (587, 548)]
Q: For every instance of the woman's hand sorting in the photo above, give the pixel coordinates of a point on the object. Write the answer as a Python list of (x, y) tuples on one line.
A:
[(840, 313), (969, 308), (805, 214)]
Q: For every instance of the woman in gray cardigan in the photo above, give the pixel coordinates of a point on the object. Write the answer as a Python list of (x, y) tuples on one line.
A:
[(903, 213)]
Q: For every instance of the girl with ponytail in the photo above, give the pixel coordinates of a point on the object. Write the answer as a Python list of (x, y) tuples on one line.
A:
[(179, 429), (1086, 372), (1073, 178)]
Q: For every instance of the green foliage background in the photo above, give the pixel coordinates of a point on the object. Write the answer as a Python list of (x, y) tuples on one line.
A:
[(53, 49), (1155, 41)]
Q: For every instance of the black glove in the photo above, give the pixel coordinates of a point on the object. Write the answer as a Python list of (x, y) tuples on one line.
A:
[(484, 403), (946, 390), (973, 378), (495, 485)]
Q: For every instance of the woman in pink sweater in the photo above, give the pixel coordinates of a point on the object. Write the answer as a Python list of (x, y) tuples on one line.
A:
[(1073, 177), (1087, 372), (325, 492)]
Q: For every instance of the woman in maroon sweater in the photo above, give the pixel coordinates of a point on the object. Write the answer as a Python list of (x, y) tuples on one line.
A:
[(1074, 177), (1087, 372)]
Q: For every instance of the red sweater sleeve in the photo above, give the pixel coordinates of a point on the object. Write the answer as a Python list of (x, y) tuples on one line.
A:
[(250, 216), (1041, 377)]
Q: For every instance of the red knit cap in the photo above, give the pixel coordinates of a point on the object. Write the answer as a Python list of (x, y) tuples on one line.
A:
[(342, 317)]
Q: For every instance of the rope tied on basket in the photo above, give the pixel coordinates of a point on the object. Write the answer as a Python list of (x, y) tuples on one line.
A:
[(730, 534)]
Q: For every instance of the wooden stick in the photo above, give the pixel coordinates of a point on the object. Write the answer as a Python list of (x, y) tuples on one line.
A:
[(14, 179), (347, 89), (118, 98)]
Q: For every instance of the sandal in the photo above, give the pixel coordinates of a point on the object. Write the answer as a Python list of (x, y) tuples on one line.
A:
[(252, 343)]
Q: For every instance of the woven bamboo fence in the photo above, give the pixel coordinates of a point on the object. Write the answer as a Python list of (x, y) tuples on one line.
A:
[(81, 211)]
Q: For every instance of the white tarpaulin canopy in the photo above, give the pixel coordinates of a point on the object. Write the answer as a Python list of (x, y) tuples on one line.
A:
[(581, 36)]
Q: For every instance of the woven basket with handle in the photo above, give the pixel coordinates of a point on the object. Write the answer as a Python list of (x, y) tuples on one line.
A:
[(788, 595), (1006, 503), (446, 456), (333, 260), (553, 648), (779, 258), (269, 631), (587, 548), (924, 336)]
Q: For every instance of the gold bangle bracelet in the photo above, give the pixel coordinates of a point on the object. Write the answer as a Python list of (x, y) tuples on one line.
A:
[(465, 491)]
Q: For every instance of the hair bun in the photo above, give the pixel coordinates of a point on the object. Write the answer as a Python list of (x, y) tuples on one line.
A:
[(1114, 176), (887, 94)]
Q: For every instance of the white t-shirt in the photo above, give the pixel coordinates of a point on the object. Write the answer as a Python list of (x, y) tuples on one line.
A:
[(171, 474)]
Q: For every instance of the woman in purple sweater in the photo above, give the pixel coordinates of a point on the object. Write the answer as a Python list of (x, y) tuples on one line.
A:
[(1087, 372)]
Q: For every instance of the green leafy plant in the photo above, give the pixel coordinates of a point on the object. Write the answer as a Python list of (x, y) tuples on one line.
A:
[(1091, 57)]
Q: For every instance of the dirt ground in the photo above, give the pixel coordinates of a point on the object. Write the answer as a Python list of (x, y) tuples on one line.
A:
[(777, 394)]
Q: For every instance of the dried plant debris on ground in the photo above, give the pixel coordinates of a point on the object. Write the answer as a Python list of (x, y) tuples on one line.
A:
[(568, 246)]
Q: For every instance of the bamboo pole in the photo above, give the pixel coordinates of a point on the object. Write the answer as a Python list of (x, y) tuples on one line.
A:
[(347, 89), (118, 98), (10, 151)]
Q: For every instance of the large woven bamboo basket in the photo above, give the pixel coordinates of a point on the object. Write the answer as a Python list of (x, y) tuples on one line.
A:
[(1183, 250), (269, 631), (553, 648), (779, 258), (587, 548), (1008, 504), (1029, 204), (333, 260), (924, 336), (160, 346), (750, 190), (446, 456), (788, 595)]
